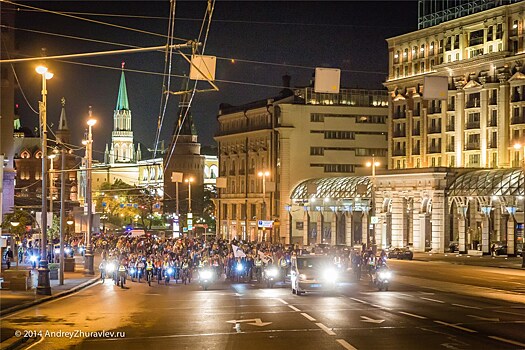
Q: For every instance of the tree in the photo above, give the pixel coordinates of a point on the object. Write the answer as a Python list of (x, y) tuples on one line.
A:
[(24, 219), (116, 202)]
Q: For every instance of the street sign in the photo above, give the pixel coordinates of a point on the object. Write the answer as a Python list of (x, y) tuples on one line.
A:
[(374, 219), (265, 223)]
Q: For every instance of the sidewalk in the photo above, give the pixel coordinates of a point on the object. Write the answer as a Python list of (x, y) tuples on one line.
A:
[(465, 259), (11, 301)]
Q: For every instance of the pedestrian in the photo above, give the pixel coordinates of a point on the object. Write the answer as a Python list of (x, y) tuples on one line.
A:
[(493, 249)]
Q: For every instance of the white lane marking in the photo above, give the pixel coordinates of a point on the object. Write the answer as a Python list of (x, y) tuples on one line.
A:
[(493, 319), (467, 307), (434, 300), (359, 301), (326, 329), (507, 341), (413, 315), (293, 308), (282, 301), (345, 344), (310, 318), (455, 326), (406, 295), (38, 342)]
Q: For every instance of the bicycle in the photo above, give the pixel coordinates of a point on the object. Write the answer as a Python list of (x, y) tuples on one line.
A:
[(149, 277)]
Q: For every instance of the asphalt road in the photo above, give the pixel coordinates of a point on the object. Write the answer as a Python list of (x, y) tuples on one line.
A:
[(428, 306)]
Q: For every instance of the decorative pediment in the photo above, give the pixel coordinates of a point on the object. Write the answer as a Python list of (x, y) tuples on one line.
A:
[(472, 84), (517, 76), (399, 97), (25, 154)]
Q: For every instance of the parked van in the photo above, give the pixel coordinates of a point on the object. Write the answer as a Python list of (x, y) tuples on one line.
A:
[(313, 273)]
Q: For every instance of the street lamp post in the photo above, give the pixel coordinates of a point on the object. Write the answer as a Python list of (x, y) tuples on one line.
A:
[(264, 175), (43, 287), (88, 257), (373, 164), (189, 217)]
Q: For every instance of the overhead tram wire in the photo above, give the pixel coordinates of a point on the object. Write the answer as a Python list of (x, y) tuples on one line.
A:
[(228, 59), (166, 79), (88, 20), (208, 16), (223, 20)]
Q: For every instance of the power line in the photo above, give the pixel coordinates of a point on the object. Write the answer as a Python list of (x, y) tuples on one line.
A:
[(88, 20)]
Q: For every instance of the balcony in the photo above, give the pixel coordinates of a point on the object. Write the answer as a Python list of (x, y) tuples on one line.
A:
[(399, 133), (472, 146), (492, 122), (251, 171), (416, 132), (416, 151), (434, 130), (450, 148), (434, 110), (492, 144), (516, 97), (451, 127), (242, 172), (434, 149), (399, 152), (472, 125), (232, 172), (472, 104), (416, 112), (517, 120), (476, 41), (493, 101), (399, 115)]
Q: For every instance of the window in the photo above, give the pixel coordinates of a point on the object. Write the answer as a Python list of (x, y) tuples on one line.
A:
[(234, 211), (316, 151), (339, 135), (490, 33), (456, 42), (316, 117)]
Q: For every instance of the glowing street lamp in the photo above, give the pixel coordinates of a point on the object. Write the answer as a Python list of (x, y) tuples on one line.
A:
[(44, 286), (88, 257)]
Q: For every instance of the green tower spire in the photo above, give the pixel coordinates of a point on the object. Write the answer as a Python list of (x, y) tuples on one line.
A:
[(122, 100)]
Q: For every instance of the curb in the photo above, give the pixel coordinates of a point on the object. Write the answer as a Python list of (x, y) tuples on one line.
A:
[(12, 309), (422, 259)]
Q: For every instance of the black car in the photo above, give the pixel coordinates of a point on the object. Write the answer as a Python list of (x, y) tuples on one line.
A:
[(401, 254)]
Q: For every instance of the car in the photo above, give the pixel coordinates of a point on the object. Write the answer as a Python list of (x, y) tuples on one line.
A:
[(401, 254), (313, 273), (453, 247)]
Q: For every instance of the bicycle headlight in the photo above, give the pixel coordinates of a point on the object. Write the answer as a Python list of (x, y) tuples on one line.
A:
[(33, 258), (385, 275), (302, 276), (272, 272), (132, 270), (170, 270), (239, 267), (110, 268), (206, 274)]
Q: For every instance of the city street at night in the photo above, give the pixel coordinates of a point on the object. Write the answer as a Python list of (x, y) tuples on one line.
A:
[(429, 305)]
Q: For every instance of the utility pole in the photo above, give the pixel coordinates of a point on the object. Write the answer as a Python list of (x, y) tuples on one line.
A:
[(62, 210)]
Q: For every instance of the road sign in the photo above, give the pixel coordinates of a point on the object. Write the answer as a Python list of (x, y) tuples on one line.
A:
[(374, 219), (254, 322), (265, 223)]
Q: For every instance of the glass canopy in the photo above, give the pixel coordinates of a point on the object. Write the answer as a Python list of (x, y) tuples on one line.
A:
[(334, 188), (494, 182)]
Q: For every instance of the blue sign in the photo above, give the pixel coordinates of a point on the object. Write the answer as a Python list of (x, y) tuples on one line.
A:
[(103, 204)]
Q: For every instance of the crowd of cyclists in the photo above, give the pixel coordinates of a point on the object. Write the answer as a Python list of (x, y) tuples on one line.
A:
[(152, 259)]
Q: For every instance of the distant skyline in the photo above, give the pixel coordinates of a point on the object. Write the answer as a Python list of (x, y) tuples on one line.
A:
[(255, 42)]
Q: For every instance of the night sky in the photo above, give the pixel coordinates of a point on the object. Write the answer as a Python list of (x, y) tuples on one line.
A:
[(285, 37)]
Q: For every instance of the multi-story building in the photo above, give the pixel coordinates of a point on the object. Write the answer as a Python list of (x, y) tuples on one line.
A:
[(482, 115), (294, 136)]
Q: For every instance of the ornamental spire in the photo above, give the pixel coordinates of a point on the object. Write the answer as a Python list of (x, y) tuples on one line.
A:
[(122, 100)]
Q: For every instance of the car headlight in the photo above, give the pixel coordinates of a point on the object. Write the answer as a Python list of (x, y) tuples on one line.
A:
[(330, 275), (206, 274), (385, 275), (272, 272)]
